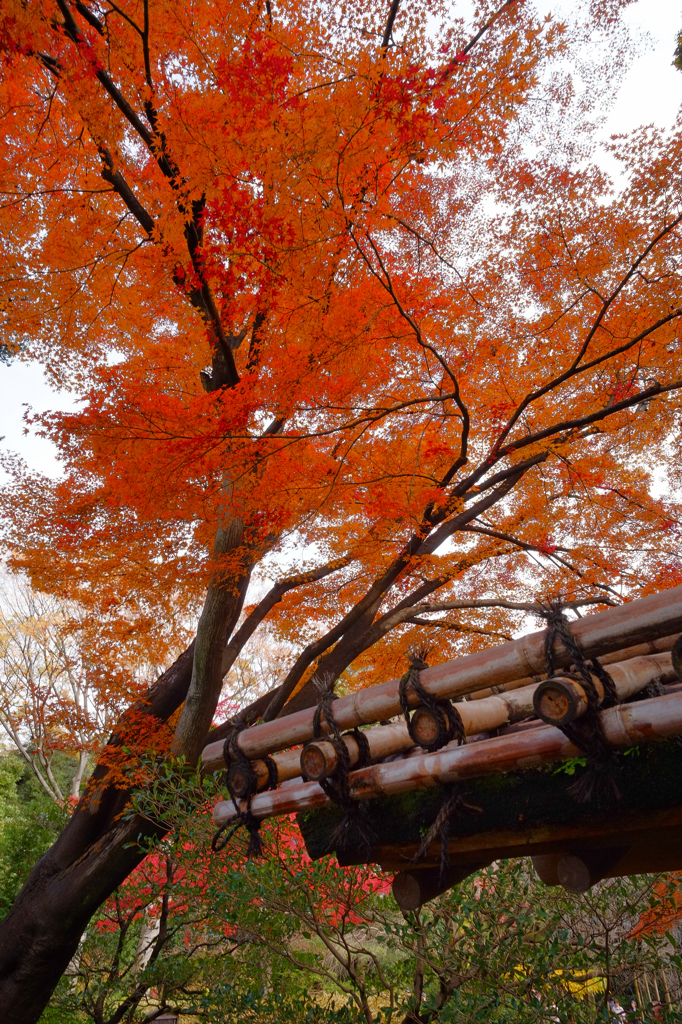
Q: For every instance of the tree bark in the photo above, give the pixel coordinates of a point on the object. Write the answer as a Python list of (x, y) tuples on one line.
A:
[(99, 848), (222, 607), (93, 855)]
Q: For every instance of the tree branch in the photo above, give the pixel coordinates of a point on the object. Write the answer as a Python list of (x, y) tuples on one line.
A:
[(118, 183), (388, 31)]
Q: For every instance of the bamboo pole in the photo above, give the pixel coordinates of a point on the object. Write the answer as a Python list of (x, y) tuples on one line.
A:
[(602, 633), (318, 759), (624, 725), (559, 701), (287, 763), (660, 646)]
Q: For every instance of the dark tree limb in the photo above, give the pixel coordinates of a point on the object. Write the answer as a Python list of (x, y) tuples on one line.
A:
[(388, 31), (121, 187)]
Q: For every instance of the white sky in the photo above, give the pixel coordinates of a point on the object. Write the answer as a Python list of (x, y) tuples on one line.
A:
[(651, 93)]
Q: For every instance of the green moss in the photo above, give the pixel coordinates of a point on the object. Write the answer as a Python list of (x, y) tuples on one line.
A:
[(648, 777)]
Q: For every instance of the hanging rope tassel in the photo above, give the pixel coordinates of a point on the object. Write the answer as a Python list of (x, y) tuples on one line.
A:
[(449, 727), (598, 784), (453, 805)]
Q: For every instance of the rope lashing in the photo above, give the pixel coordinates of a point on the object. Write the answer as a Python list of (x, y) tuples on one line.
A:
[(598, 783), (449, 726), (448, 719), (354, 828), (364, 753), (453, 805), (233, 755), (558, 629)]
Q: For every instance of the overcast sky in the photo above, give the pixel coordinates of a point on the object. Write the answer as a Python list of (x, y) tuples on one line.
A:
[(651, 93)]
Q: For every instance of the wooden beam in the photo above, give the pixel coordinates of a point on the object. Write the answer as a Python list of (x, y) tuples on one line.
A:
[(659, 829)]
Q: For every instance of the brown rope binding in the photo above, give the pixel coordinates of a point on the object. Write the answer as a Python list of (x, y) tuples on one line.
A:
[(448, 719), (354, 830), (598, 784), (233, 754)]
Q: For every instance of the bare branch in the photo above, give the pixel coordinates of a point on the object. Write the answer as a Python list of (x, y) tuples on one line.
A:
[(388, 31)]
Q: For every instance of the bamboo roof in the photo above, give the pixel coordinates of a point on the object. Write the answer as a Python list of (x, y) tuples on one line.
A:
[(515, 786)]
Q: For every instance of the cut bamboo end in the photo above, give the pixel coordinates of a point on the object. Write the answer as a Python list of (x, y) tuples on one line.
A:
[(287, 762), (560, 701), (426, 726), (319, 760), (245, 779)]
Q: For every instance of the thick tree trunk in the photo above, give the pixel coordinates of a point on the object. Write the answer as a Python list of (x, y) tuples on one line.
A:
[(222, 607), (98, 849), (41, 933), (92, 856)]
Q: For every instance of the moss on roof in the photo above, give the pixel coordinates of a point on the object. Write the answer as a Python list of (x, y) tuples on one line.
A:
[(649, 778)]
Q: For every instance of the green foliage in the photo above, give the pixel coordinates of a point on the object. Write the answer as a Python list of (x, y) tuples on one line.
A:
[(287, 938), (29, 824)]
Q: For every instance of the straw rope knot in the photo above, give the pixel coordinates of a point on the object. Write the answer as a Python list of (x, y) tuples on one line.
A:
[(453, 805), (354, 830), (448, 719), (234, 755), (598, 783)]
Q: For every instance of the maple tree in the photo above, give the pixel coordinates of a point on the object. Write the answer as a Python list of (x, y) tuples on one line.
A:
[(339, 289), (53, 699)]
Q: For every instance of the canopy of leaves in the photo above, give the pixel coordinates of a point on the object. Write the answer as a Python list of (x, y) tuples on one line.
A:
[(345, 276)]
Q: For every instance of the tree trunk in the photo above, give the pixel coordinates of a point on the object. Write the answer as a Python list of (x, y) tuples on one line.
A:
[(98, 848), (93, 855)]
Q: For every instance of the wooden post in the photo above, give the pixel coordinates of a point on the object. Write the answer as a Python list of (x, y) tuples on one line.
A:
[(417, 886), (645, 976), (578, 872), (638, 992), (545, 865)]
